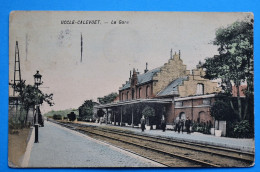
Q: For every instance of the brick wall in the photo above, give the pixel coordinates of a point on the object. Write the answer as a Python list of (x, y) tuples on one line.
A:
[(193, 109), (169, 72), (136, 92), (189, 87)]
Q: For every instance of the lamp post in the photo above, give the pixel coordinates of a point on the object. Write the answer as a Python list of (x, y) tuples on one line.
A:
[(37, 82)]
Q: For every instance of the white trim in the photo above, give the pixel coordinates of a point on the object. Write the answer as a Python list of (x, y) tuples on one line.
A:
[(192, 106), (194, 97), (121, 103)]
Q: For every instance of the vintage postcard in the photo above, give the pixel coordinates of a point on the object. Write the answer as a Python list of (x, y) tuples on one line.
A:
[(130, 89)]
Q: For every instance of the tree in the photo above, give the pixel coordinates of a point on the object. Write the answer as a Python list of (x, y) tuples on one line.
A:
[(30, 96), (86, 109), (221, 111), (108, 98), (234, 64), (148, 112), (100, 113)]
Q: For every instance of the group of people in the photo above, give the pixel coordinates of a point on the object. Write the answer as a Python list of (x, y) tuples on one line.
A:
[(179, 125)]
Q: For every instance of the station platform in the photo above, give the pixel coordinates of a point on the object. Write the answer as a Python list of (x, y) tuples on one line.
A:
[(247, 145), (61, 147)]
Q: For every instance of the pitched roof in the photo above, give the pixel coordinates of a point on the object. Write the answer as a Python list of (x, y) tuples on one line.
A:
[(172, 88), (148, 76), (143, 78), (127, 85)]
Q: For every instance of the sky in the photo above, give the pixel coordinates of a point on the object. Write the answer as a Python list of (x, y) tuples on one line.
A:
[(110, 50)]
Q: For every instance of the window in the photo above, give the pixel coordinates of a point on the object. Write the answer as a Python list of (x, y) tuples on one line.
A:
[(178, 104), (200, 89), (127, 94), (182, 115), (133, 93), (201, 117), (139, 93), (147, 91), (206, 101), (122, 97)]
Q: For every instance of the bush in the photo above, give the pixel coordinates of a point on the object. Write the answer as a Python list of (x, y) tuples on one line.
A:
[(57, 117), (243, 129), (200, 127), (72, 116)]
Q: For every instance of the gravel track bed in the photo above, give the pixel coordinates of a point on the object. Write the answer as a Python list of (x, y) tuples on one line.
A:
[(206, 157)]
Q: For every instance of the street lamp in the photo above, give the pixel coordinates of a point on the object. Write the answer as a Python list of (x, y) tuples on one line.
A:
[(37, 82), (37, 79)]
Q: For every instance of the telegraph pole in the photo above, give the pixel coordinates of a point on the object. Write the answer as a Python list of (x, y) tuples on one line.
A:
[(17, 69), (81, 50), (16, 81)]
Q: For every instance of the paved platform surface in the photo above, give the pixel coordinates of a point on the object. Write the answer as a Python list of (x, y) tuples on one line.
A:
[(61, 147), (239, 144)]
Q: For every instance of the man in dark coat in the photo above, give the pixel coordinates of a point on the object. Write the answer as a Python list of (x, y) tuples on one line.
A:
[(176, 124), (187, 125), (142, 124), (179, 126), (163, 125), (182, 125)]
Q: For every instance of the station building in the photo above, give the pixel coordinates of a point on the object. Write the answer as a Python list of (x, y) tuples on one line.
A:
[(172, 90)]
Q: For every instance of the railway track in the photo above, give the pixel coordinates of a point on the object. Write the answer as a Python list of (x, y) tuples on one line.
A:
[(167, 151)]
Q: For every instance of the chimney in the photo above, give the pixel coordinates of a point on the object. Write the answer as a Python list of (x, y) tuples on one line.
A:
[(130, 76), (179, 53), (146, 70), (134, 78), (171, 54)]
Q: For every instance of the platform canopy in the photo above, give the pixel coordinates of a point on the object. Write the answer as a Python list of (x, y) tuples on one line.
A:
[(135, 101)]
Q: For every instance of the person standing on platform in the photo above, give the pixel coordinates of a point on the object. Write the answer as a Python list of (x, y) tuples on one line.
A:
[(182, 125), (175, 125), (179, 126), (187, 125), (142, 124), (163, 125)]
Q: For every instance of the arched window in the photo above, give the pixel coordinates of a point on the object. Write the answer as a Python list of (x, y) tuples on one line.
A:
[(200, 89), (133, 93), (201, 117), (147, 91), (182, 115), (127, 94), (139, 93), (122, 96)]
